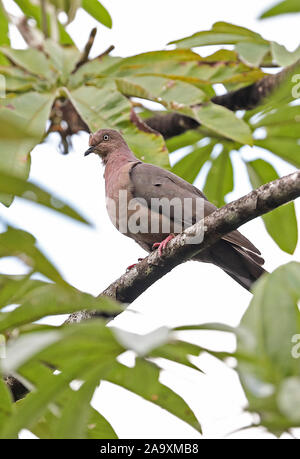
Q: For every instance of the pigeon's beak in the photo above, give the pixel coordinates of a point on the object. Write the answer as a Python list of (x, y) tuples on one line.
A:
[(90, 150)]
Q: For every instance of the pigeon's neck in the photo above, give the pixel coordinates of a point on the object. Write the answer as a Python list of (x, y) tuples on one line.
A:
[(116, 160)]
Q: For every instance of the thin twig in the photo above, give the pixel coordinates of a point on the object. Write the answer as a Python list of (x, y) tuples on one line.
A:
[(106, 52), (44, 18), (85, 55)]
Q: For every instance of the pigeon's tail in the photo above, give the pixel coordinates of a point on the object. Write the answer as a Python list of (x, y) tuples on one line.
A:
[(243, 265)]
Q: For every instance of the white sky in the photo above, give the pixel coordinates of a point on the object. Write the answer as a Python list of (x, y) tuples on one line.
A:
[(91, 259)]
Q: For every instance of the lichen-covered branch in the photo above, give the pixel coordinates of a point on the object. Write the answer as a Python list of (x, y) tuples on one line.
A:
[(221, 222)]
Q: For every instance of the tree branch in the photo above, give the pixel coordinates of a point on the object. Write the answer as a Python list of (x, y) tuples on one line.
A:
[(221, 222), (85, 55)]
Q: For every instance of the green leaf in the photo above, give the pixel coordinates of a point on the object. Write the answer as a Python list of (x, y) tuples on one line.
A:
[(107, 108), (22, 126), (281, 223), (50, 299), (33, 193), (99, 427), (289, 398), (221, 33), (183, 140), (252, 53), (284, 147), (97, 10), (170, 93), (190, 165), (32, 407), (30, 59), (21, 244), (74, 418), (62, 58), (282, 56), (6, 403), (221, 121), (185, 65), (219, 180), (267, 333), (287, 6), (286, 114), (143, 381), (13, 288), (178, 351), (4, 38)]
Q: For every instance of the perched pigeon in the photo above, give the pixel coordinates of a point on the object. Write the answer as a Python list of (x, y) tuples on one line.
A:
[(131, 188)]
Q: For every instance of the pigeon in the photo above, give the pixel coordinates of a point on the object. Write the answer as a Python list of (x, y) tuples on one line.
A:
[(131, 188)]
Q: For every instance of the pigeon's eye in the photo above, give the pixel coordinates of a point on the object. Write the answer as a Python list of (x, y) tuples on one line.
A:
[(105, 137)]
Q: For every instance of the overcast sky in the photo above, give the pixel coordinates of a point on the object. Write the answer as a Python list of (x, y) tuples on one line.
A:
[(91, 259)]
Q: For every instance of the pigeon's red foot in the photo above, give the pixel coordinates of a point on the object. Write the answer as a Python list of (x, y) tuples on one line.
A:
[(163, 244), (134, 264)]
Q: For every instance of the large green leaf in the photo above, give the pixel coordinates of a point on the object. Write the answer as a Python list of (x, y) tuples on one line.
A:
[(33, 406), (4, 38), (252, 53), (282, 56), (168, 92), (30, 59), (75, 416), (219, 180), (183, 140), (22, 125), (185, 65), (267, 334), (6, 405), (51, 299), (286, 114), (99, 427), (190, 165), (97, 10), (281, 223), (14, 287), (221, 33), (18, 243), (143, 380), (284, 147), (105, 107), (62, 58), (95, 427), (287, 6), (221, 121), (90, 350)]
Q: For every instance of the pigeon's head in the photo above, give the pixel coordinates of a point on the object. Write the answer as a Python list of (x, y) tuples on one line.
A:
[(104, 142)]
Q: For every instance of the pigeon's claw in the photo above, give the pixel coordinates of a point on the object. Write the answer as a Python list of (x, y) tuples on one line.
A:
[(134, 264), (163, 244)]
